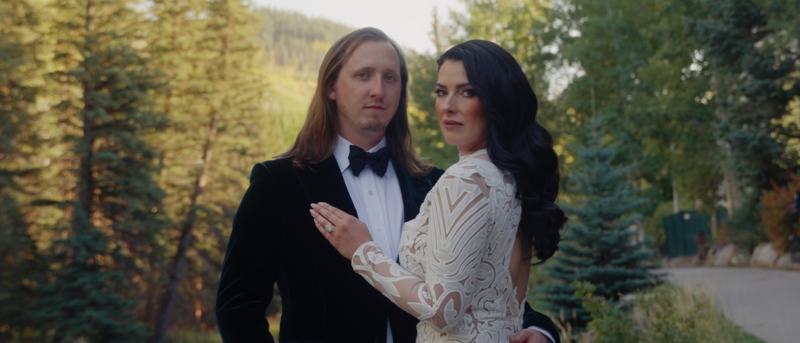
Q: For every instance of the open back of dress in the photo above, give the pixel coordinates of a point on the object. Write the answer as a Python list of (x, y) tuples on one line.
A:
[(461, 265)]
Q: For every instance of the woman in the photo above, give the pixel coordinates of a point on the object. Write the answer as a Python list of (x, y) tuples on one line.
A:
[(465, 259)]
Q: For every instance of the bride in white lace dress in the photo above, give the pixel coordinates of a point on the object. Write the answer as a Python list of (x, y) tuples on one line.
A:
[(465, 259)]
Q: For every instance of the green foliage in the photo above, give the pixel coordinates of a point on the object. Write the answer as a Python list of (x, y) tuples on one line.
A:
[(111, 115), (428, 137), (599, 246), (296, 41), (611, 323), (20, 74), (83, 298), (664, 314), (745, 225), (754, 79), (148, 113), (216, 87)]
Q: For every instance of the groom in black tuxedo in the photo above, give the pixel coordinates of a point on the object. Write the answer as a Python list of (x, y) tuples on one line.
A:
[(355, 153)]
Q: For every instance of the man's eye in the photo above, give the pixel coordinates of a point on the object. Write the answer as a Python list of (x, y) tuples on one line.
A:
[(390, 77), (362, 75)]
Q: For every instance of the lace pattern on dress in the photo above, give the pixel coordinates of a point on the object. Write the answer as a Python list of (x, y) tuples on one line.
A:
[(454, 257)]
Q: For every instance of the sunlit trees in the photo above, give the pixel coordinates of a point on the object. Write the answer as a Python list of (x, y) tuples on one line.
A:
[(20, 86), (114, 213)]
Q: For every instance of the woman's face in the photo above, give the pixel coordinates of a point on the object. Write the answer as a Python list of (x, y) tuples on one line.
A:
[(460, 112)]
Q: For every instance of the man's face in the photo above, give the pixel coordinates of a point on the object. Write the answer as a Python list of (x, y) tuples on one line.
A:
[(367, 90)]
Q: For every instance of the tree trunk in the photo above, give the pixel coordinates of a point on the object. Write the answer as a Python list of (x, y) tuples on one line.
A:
[(676, 199), (86, 183), (185, 240)]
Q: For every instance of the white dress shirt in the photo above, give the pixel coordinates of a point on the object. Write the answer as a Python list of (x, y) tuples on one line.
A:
[(378, 202), (379, 205)]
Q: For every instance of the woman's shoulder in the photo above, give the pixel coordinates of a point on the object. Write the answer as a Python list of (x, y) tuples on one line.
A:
[(473, 165)]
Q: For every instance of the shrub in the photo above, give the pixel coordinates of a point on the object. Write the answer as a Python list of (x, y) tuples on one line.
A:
[(664, 314), (778, 222)]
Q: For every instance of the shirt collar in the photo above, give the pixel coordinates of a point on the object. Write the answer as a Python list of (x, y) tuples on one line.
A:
[(342, 152)]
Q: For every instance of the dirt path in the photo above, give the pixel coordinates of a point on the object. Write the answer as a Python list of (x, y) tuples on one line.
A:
[(765, 303)]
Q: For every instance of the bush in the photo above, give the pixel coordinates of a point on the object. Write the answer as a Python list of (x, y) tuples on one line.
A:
[(664, 314), (778, 222)]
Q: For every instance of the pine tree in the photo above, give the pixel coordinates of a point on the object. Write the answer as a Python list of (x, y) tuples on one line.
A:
[(84, 302), (216, 100), (599, 246), (19, 71), (107, 113)]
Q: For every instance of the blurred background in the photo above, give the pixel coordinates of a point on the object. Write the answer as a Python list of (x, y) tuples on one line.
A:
[(128, 130)]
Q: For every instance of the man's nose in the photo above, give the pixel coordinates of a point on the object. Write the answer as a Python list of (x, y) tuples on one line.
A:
[(376, 88)]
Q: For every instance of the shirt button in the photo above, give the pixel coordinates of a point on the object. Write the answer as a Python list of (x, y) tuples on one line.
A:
[(370, 192), (379, 227)]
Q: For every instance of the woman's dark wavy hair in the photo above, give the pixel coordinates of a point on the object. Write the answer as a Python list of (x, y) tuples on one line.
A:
[(516, 142)]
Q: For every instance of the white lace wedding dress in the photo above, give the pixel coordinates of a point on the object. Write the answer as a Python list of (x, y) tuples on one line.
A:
[(455, 256)]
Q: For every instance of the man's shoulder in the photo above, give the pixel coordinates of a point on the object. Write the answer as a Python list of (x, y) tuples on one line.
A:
[(435, 174), (276, 169)]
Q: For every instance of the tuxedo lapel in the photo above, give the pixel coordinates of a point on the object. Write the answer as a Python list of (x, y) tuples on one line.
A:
[(413, 189), (323, 182)]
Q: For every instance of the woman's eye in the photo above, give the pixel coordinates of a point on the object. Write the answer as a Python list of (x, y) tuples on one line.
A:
[(389, 77), (440, 92), (362, 75), (468, 93)]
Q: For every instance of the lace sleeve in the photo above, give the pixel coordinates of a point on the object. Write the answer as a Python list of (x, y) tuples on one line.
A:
[(458, 227)]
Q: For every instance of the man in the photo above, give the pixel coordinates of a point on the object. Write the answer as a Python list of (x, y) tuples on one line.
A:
[(353, 152)]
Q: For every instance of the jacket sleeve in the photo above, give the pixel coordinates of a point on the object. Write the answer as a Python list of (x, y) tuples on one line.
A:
[(251, 263), (533, 318)]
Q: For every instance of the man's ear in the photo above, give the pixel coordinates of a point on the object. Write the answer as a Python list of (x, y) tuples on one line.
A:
[(331, 91)]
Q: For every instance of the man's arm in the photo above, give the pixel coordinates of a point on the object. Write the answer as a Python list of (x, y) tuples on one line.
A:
[(251, 263), (532, 318)]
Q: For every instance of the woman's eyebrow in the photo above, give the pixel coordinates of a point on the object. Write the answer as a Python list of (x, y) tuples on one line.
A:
[(457, 86)]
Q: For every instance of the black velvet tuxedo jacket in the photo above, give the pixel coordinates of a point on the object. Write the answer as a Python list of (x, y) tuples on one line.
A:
[(323, 300)]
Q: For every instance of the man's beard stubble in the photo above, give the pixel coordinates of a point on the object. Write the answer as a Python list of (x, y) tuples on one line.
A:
[(372, 125)]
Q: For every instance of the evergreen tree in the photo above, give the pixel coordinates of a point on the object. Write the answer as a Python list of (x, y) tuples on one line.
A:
[(216, 100), (599, 246), (19, 90), (84, 303), (107, 113), (295, 40)]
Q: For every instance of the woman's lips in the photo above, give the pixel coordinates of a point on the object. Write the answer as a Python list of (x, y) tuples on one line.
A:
[(376, 107), (451, 124)]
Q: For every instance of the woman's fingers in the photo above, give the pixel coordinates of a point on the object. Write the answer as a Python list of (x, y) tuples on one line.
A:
[(335, 211), (325, 210), (320, 222)]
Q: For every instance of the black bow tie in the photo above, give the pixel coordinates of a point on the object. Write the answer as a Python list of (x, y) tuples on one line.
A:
[(378, 160)]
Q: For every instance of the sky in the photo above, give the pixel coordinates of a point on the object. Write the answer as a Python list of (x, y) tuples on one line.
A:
[(406, 21)]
